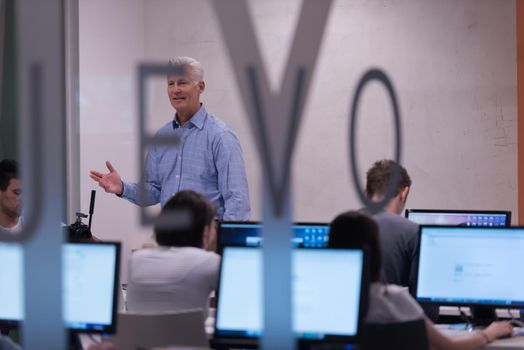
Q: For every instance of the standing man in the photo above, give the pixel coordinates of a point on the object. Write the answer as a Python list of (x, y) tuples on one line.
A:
[(10, 196), (208, 160)]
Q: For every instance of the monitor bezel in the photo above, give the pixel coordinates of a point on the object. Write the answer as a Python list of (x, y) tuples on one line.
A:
[(458, 303), (507, 213), (252, 341), (220, 246)]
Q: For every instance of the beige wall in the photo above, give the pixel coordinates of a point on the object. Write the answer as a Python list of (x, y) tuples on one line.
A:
[(452, 63), (520, 78)]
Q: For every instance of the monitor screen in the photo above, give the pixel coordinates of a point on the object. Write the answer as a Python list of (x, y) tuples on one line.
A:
[(12, 291), (470, 266), (90, 285), (90, 288), (325, 306), (308, 235), (485, 218)]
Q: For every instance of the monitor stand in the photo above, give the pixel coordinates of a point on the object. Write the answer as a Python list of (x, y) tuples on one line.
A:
[(74, 341), (483, 315)]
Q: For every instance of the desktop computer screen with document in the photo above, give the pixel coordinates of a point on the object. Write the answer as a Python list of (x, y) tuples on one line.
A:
[(326, 306), (90, 273), (471, 266)]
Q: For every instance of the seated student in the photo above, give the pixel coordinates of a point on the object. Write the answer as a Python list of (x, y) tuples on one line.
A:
[(179, 274), (390, 303), (398, 235), (10, 197)]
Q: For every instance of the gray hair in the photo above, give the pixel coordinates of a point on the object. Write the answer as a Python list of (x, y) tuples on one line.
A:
[(196, 69)]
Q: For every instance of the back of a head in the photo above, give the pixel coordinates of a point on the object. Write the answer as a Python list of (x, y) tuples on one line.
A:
[(8, 171), (201, 212), (195, 68), (357, 230), (379, 176)]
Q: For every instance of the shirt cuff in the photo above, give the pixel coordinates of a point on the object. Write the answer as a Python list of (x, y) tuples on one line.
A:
[(123, 190)]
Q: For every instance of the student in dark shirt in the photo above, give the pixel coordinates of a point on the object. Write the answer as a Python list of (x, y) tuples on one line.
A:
[(398, 235)]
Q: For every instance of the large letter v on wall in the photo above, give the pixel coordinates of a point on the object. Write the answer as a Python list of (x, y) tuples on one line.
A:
[(274, 118)]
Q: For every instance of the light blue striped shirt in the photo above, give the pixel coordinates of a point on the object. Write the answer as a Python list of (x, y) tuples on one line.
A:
[(208, 160)]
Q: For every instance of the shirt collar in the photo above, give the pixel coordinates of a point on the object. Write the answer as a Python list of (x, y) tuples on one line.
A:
[(197, 120)]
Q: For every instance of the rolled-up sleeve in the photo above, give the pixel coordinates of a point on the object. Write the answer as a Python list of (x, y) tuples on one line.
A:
[(152, 186)]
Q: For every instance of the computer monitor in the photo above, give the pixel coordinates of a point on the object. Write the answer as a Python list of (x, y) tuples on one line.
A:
[(242, 233), (471, 266), (485, 218), (90, 285), (329, 287)]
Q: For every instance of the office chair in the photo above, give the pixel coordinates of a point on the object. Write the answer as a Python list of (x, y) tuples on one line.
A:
[(158, 330), (409, 335)]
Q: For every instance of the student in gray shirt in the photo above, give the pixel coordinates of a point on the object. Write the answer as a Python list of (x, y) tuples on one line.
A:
[(398, 236)]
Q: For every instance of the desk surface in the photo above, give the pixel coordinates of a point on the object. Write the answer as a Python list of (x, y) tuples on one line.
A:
[(515, 342)]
